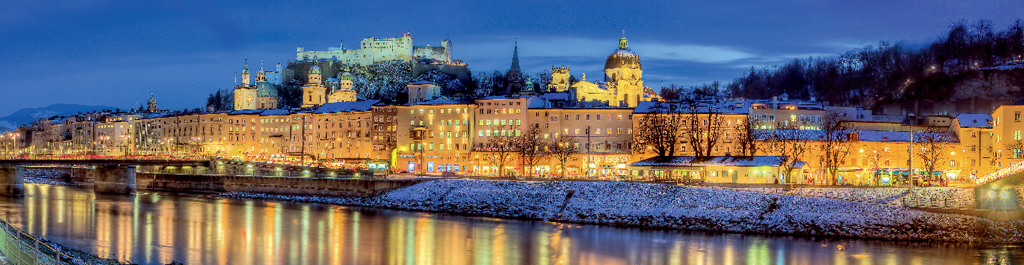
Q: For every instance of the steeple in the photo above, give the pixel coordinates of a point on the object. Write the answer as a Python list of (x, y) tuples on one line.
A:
[(515, 58), (245, 73)]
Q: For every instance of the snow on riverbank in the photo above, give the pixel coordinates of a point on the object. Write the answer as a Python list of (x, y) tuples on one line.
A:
[(677, 207), (939, 197)]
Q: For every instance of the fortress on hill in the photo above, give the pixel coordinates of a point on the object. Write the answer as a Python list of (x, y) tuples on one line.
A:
[(372, 50)]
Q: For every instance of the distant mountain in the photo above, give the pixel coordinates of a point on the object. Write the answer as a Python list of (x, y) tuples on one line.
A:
[(28, 115)]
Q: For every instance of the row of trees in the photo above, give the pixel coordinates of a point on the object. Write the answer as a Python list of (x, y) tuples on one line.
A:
[(528, 145), (669, 126)]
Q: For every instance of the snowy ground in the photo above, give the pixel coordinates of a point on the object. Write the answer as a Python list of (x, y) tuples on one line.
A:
[(936, 197), (677, 207)]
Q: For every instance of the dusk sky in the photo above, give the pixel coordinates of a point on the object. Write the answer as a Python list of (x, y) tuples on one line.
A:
[(117, 53)]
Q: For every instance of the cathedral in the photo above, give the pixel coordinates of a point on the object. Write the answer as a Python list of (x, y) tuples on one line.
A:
[(623, 84), (313, 92), (262, 95)]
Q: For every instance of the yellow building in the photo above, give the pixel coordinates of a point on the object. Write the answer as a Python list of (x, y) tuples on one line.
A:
[(623, 84), (344, 91), (435, 136), (343, 133), (716, 169), (601, 136), (313, 93)]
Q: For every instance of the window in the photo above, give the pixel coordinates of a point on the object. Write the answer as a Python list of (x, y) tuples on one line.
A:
[(1016, 116), (577, 117), (566, 117), (1016, 135), (588, 117), (598, 116)]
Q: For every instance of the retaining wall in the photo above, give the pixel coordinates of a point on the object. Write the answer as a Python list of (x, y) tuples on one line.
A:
[(270, 185)]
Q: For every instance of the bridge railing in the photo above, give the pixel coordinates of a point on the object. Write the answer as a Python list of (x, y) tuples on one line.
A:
[(21, 248)]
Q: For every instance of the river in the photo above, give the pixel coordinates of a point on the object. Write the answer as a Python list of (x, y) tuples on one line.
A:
[(157, 227)]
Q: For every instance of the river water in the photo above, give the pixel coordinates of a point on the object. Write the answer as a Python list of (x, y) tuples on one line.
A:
[(157, 227)]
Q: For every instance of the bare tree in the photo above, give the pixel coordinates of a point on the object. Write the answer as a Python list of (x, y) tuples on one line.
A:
[(702, 129), (836, 141), (562, 149), (931, 147), (531, 149), (748, 136), (875, 161), (500, 147), (658, 128), (1014, 147), (789, 143)]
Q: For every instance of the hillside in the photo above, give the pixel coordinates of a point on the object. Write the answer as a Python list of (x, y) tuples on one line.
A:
[(28, 115), (969, 61)]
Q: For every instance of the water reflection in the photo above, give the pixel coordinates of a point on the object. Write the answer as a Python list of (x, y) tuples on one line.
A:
[(155, 228)]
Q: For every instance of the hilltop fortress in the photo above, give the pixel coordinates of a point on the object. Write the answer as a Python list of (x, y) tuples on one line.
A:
[(372, 50)]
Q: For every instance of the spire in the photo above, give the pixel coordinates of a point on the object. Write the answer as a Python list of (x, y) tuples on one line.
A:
[(515, 57)]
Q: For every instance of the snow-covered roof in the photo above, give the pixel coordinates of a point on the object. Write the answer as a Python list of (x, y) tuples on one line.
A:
[(444, 101), (422, 82), (555, 96), (690, 161), (974, 120), (363, 105), (243, 112), (271, 112)]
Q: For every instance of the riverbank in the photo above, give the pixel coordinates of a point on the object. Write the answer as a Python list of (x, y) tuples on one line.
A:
[(661, 206)]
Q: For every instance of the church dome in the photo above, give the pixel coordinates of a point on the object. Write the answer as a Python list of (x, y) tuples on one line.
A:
[(315, 70), (622, 57), (345, 76), (264, 89)]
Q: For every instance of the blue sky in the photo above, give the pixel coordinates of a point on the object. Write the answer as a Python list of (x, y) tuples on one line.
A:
[(118, 52)]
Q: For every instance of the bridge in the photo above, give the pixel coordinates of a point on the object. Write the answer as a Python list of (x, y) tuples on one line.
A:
[(110, 175)]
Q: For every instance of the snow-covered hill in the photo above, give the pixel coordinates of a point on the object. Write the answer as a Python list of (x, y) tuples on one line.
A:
[(28, 115)]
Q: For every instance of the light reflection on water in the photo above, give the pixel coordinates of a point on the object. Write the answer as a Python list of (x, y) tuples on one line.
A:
[(155, 228)]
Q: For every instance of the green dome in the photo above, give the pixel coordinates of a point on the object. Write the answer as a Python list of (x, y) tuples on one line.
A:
[(315, 70), (264, 89)]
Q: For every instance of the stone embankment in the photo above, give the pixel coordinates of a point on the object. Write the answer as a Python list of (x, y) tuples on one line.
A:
[(678, 207)]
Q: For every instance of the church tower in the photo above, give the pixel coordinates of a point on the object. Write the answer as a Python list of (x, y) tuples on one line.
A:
[(313, 93), (622, 73), (245, 95), (245, 73), (265, 92), (514, 74), (151, 105)]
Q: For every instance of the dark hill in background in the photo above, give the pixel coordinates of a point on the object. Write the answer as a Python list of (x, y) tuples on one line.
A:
[(969, 62)]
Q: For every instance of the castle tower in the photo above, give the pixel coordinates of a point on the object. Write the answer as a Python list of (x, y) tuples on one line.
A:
[(313, 93), (151, 105), (514, 74)]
